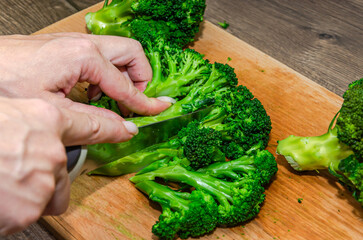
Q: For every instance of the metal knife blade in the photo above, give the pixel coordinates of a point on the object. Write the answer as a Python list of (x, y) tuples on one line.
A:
[(101, 154)]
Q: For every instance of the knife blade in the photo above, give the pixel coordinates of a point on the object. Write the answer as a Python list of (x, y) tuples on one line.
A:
[(101, 154)]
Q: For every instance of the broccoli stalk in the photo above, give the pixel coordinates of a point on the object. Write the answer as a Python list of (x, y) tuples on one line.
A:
[(174, 21), (186, 214), (238, 201), (131, 163), (340, 149), (197, 147), (318, 152), (261, 165)]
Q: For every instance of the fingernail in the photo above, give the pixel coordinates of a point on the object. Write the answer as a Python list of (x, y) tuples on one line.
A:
[(97, 97), (131, 127), (167, 99)]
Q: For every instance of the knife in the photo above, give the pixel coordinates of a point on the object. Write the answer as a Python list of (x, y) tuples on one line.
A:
[(81, 160)]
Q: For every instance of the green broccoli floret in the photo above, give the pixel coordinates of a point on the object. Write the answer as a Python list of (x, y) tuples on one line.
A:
[(242, 120), (221, 79), (201, 146), (174, 21), (107, 103), (238, 201), (351, 175), (340, 149), (175, 71), (262, 165), (350, 120), (185, 214)]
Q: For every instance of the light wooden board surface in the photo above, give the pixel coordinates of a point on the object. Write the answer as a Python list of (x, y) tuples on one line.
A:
[(111, 208)]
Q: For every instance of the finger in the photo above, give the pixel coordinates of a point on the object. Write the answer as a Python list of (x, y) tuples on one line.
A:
[(81, 128), (98, 71), (80, 107), (120, 51), (141, 86), (58, 204), (125, 52)]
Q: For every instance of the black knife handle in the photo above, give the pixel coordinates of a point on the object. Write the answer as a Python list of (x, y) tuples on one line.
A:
[(73, 154)]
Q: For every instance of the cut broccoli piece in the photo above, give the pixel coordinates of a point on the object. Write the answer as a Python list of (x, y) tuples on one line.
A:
[(238, 201), (340, 149), (174, 21), (186, 214)]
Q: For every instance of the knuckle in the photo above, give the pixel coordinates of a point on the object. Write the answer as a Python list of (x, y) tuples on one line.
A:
[(136, 45), (49, 186), (58, 153), (47, 110), (84, 46), (94, 125)]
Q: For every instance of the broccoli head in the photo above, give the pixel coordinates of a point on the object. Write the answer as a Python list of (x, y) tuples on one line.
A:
[(186, 214), (238, 201), (242, 120), (174, 21), (350, 120)]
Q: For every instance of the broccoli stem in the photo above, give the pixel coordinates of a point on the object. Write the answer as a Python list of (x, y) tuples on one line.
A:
[(164, 195), (227, 169), (156, 65), (109, 19), (318, 152), (222, 190), (104, 153)]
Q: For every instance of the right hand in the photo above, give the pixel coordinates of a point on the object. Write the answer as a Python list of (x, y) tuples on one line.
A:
[(33, 175)]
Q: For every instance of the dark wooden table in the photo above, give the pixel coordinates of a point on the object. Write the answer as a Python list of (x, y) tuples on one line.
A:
[(322, 40)]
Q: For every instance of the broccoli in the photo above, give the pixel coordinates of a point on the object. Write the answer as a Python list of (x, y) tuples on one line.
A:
[(261, 165), (224, 24), (204, 93), (195, 82), (237, 125), (174, 21), (238, 201), (107, 103), (196, 146), (242, 120), (340, 150), (175, 71), (186, 214)]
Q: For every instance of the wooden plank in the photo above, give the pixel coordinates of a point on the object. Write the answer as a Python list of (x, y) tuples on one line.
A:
[(320, 39), (27, 16), (111, 208)]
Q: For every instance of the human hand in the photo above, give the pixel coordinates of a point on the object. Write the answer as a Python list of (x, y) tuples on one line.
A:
[(48, 66), (33, 175)]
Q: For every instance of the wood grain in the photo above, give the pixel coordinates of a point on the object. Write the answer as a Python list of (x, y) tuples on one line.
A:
[(320, 39), (111, 208)]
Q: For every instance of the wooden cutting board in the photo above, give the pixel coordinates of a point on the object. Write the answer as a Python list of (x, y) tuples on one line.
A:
[(111, 208)]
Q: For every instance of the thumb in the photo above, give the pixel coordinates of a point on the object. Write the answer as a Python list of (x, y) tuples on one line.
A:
[(80, 128)]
